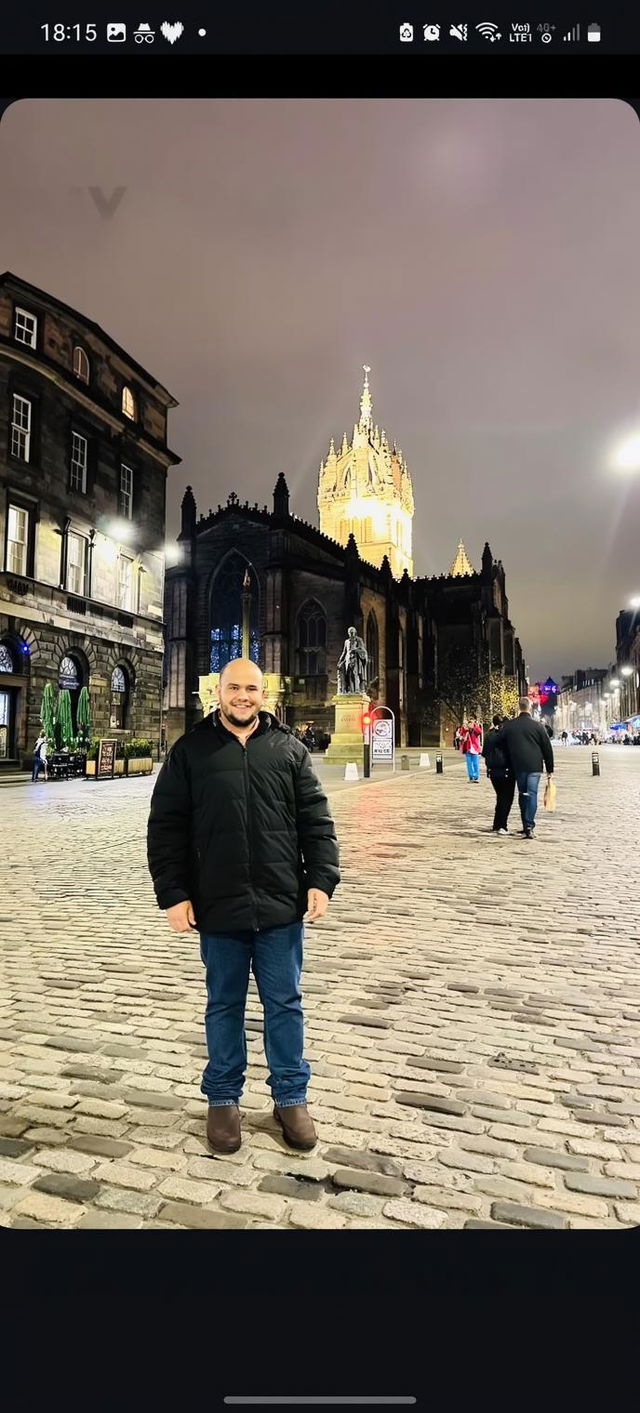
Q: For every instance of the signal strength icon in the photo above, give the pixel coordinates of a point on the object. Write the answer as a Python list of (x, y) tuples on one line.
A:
[(572, 35), (489, 31)]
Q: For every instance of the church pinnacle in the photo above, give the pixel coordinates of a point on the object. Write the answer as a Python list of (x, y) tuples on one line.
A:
[(366, 405), (461, 564)]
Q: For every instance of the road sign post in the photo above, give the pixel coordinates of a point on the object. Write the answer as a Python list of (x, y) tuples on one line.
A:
[(383, 730)]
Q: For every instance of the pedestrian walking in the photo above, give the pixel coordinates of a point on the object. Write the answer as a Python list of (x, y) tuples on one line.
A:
[(471, 747), (500, 775), (565, 737), (242, 848), (457, 740), (40, 757), (529, 752)]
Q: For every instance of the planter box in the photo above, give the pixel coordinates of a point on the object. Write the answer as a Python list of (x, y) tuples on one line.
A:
[(139, 765), (119, 767)]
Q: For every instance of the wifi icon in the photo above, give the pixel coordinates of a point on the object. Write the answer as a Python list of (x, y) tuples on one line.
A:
[(489, 31)]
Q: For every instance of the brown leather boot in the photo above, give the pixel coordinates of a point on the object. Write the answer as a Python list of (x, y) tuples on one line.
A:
[(223, 1128), (297, 1126)]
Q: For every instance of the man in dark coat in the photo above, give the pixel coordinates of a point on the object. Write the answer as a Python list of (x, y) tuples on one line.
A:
[(530, 752), (242, 849), (500, 775)]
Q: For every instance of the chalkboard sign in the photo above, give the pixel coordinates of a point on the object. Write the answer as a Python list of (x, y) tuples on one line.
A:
[(106, 762)]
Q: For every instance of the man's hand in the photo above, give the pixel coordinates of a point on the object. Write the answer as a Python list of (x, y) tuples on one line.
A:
[(317, 904), (181, 917)]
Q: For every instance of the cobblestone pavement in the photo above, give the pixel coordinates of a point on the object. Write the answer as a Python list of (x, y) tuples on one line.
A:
[(472, 1003)]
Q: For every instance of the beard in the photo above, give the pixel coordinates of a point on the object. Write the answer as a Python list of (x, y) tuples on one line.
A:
[(240, 716)]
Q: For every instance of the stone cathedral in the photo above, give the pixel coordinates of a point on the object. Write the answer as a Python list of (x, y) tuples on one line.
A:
[(262, 583)]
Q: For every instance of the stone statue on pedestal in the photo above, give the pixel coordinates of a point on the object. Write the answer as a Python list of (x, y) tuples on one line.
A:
[(353, 665)]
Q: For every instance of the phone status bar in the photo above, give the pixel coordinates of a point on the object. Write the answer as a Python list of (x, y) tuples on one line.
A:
[(356, 29)]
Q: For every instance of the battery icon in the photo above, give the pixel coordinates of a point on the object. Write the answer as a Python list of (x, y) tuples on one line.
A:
[(593, 34)]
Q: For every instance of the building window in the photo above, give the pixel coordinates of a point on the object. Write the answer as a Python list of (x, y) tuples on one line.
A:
[(177, 674), (6, 659), (126, 492), (227, 610), (76, 564), (69, 675), (21, 428), (25, 328), (128, 404), (119, 698), (125, 580), (178, 620), (372, 645), (79, 447), (81, 366), (17, 540), (312, 641)]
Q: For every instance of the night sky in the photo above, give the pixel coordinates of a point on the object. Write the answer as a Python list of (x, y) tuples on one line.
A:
[(481, 256)]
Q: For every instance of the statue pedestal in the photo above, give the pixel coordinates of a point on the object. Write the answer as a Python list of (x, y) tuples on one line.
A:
[(347, 740)]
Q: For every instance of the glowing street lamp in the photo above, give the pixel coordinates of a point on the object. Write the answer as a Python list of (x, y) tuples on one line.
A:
[(627, 456), (626, 671)]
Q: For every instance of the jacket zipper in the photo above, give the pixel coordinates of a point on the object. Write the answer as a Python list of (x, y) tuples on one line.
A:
[(248, 798)]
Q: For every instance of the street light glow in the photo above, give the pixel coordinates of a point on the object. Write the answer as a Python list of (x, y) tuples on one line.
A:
[(627, 455), (627, 671), (615, 682), (635, 602)]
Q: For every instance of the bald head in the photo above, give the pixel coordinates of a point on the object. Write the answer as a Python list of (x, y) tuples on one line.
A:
[(524, 704), (242, 669), (240, 693)]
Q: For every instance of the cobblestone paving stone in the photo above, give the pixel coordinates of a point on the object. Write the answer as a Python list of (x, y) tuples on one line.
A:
[(472, 1005)]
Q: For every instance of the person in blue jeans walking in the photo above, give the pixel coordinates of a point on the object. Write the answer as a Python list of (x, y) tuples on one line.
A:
[(530, 753), (242, 848)]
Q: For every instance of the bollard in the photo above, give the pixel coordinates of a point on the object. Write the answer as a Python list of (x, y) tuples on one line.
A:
[(424, 761), (351, 771), (595, 763), (439, 764), (404, 762)]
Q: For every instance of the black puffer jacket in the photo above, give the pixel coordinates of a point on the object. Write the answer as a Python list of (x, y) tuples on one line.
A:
[(495, 756), (243, 832)]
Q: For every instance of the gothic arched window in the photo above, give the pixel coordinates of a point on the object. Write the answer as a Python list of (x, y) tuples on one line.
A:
[(228, 599), (6, 659), (68, 675), (119, 698), (372, 645), (312, 640)]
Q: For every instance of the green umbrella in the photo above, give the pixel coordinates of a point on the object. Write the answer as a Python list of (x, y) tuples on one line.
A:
[(65, 718), (84, 720), (48, 715)]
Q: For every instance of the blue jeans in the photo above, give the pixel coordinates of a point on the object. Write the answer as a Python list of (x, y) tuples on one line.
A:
[(528, 796), (38, 765), (473, 765), (275, 956)]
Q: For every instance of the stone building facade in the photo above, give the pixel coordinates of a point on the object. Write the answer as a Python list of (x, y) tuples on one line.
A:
[(83, 467), (295, 591)]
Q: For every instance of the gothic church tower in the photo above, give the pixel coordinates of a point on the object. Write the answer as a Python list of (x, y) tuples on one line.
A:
[(365, 490)]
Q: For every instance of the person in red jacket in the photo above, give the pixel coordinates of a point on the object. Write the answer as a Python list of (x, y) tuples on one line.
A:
[(471, 748)]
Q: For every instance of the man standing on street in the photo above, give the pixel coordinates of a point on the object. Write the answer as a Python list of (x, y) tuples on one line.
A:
[(242, 849), (530, 752)]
